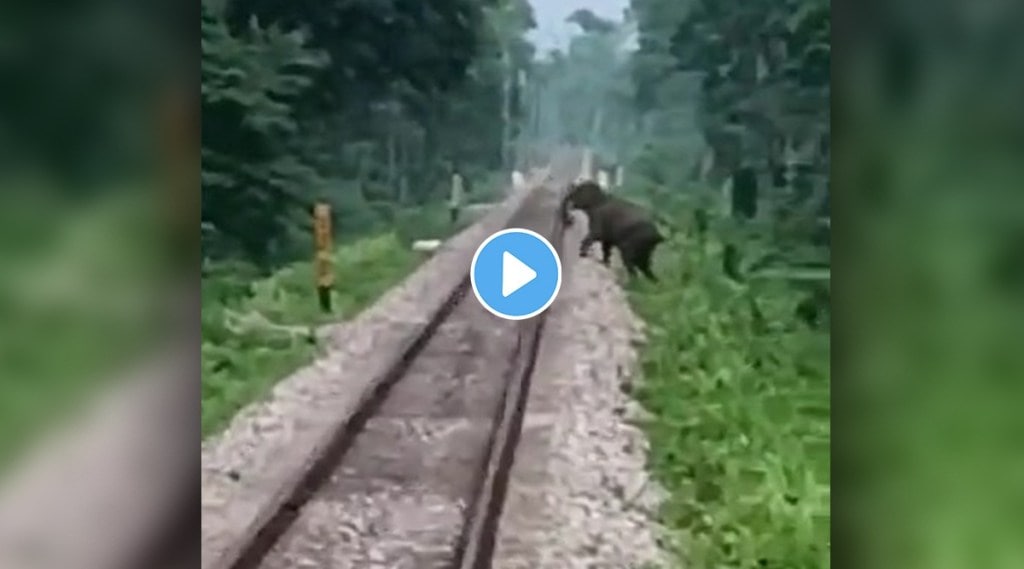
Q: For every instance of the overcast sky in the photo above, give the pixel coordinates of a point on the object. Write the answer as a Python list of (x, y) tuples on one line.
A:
[(553, 31)]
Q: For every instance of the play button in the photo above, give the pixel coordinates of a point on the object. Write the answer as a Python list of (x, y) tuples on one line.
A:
[(516, 274)]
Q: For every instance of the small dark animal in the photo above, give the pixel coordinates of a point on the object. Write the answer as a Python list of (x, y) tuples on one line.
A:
[(615, 222)]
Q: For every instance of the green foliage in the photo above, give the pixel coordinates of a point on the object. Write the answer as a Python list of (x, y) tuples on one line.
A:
[(425, 46), (256, 331), (758, 76), (590, 22), (78, 87), (250, 167), (736, 373), (84, 285), (739, 429), (368, 107), (755, 118)]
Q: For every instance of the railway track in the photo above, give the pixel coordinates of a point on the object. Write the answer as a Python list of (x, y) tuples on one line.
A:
[(416, 478)]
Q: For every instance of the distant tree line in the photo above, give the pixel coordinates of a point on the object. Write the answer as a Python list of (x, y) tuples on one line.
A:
[(368, 106)]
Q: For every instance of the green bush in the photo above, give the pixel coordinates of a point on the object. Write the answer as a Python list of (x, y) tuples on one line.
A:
[(738, 391)]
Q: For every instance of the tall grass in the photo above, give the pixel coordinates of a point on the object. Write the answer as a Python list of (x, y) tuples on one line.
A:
[(739, 415), (256, 332)]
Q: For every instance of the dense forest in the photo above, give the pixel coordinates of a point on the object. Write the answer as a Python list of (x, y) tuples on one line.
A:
[(369, 107), (724, 107)]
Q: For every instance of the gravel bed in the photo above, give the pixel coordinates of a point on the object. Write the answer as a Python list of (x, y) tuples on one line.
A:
[(398, 497), (579, 495)]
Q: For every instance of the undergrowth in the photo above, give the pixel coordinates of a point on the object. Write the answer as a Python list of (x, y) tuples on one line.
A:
[(258, 330), (739, 424)]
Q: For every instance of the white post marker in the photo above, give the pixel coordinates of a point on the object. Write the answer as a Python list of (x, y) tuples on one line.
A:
[(426, 245), (602, 179), (587, 169), (518, 181), (516, 274)]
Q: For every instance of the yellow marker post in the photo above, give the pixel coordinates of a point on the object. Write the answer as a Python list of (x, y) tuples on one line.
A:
[(323, 261)]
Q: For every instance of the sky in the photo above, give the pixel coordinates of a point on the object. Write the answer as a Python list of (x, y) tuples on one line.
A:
[(552, 29)]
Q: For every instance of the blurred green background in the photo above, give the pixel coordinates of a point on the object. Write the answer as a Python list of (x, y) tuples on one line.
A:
[(929, 172), (85, 194)]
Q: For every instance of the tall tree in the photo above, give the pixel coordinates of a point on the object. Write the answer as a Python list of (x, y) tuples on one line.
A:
[(365, 105)]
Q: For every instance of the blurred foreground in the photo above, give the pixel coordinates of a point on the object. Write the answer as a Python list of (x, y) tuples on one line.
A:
[(98, 181)]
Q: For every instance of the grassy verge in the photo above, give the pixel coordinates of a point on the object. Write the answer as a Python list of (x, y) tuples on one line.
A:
[(79, 290), (740, 416), (255, 332)]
